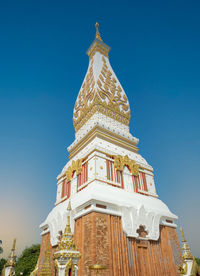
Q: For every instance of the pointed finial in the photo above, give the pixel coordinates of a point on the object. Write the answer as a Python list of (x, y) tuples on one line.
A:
[(97, 32), (69, 206), (14, 243), (182, 234), (68, 227)]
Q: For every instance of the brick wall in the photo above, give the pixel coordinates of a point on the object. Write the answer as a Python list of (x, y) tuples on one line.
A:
[(100, 239)]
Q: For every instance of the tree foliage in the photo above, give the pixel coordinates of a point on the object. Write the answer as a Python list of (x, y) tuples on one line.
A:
[(28, 260), (2, 263), (198, 261)]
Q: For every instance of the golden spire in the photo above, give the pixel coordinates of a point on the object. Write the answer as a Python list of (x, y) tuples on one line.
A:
[(182, 234), (11, 258), (69, 208), (97, 32), (68, 228), (67, 240), (14, 243), (187, 255)]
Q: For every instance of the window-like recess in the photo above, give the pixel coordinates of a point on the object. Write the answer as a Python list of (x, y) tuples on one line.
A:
[(113, 174), (143, 185), (140, 183), (83, 176), (66, 188)]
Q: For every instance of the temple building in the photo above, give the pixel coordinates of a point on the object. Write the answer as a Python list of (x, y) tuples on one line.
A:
[(119, 224)]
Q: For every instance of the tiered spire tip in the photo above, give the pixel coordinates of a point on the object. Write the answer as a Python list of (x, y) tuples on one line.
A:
[(97, 32), (182, 234)]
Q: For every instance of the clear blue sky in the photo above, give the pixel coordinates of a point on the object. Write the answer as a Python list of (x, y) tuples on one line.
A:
[(156, 56)]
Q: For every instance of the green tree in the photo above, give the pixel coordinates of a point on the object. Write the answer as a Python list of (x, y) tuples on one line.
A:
[(198, 261), (2, 263), (27, 261)]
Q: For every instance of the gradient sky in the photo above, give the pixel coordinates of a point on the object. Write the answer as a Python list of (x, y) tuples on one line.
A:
[(156, 56)]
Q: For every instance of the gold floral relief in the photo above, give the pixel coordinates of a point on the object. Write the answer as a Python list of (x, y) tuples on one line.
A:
[(121, 161), (107, 89), (107, 98), (75, 166)]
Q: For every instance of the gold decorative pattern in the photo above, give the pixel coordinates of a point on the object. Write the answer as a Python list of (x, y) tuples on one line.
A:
[(76, 166), (69, 265), (67, 249), (97, 47), (46, 266), (56, 266), (121, 161), (106, 97)]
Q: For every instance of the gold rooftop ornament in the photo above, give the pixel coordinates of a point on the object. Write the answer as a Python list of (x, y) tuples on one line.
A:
[(97, 32), (67, 253), (121, 161), (187, 255), (11, 259), (189, 266)]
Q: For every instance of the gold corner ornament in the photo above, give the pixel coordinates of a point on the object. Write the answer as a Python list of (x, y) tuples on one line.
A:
[(121, 161), (76, 166), (104, 96)]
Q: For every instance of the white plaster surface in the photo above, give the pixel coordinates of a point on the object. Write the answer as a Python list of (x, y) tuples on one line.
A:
[(135, 210)]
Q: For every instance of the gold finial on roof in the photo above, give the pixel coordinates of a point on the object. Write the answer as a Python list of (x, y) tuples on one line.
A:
[(68, 228), (12, 257), (14, 243), (182, 234), (97, 32), (69, 206)]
